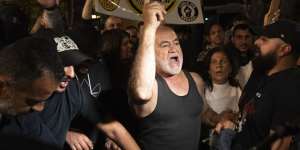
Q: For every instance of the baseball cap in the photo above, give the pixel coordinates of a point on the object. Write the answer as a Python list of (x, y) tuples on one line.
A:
[(286, 30), (65, 46)]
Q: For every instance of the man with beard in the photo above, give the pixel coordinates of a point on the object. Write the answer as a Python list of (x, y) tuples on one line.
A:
[(270, 100), (166, 99)]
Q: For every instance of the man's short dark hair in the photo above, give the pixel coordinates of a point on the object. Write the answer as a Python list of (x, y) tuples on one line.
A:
[(26, 60), (209, 26), (242, 27)]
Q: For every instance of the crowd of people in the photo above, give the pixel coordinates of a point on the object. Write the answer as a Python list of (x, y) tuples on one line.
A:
[(130, 88)]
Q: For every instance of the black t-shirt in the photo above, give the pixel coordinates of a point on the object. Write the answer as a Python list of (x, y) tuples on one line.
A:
[(95, 84), (28, 126), (60, 109), (97, 81), (276, 102), (51, 125), (256, 80)]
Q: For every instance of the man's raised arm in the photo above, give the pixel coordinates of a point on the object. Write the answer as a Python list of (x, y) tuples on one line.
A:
[(142, 80)]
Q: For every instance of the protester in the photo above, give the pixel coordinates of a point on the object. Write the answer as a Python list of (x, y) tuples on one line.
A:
[(95, 82), (111, 22), (28, 75), (166, 99), (133, 36), (222, 90), (51, 125), (242, 48), (50, 18), (214, 38), (274, 104)]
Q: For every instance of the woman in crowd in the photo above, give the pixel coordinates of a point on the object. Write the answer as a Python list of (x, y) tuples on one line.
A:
[(222, 91), (214, 37), (117, 50)]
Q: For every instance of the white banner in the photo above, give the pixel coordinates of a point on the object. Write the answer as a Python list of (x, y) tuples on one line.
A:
[(179, 11)]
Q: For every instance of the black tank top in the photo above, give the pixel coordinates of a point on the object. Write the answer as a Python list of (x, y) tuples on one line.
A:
[(175, 123)]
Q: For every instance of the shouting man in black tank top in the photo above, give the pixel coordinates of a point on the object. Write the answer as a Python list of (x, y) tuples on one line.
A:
[(166, 99)]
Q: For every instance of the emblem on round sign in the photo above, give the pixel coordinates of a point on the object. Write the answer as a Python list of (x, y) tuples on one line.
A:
[(138, 4), (109, 5), (188, 11)]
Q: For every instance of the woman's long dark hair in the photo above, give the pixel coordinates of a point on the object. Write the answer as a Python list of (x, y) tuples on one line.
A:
[(111, 48), (112, 42), (233, 63)]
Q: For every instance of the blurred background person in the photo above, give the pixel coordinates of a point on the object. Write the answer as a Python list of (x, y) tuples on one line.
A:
[(214, 37)]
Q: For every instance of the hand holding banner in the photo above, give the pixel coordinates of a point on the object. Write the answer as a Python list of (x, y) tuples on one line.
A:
[(179, 11)]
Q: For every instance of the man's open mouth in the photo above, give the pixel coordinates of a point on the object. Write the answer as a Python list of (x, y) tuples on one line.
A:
[(174, 58)]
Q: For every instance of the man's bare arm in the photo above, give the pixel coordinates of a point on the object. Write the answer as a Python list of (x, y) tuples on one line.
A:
[(37, 25), (87, 10), (142, 80), (117, 132)]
